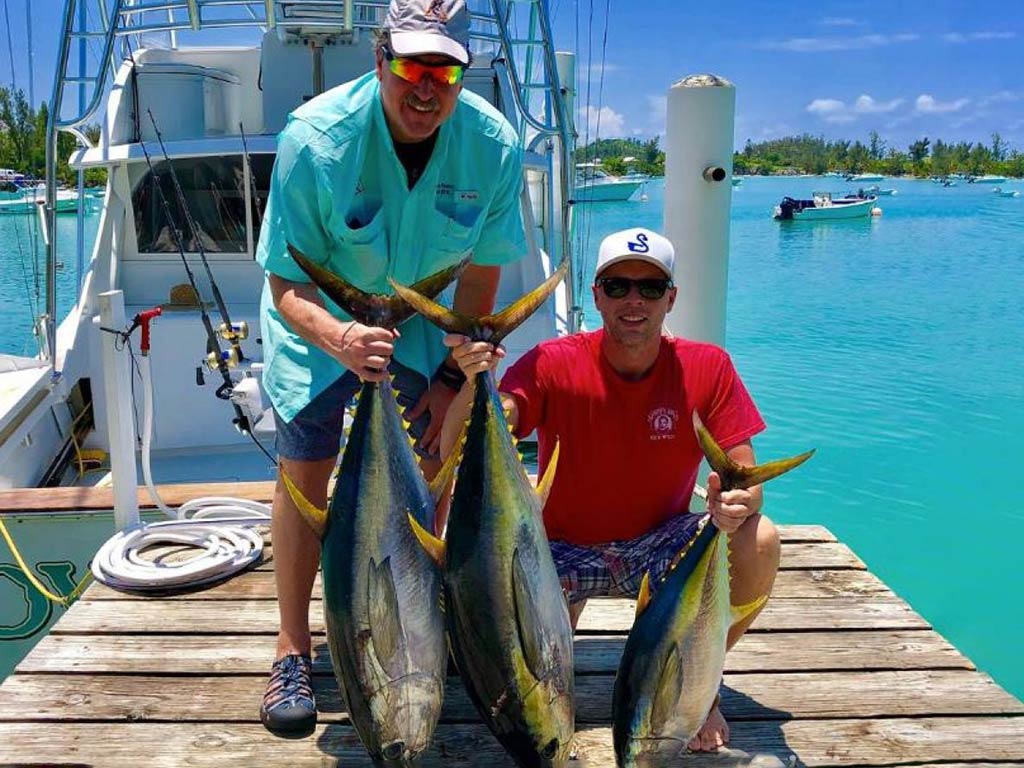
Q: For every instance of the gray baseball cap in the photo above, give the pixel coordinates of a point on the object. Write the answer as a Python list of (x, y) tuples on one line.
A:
[(418, 27)]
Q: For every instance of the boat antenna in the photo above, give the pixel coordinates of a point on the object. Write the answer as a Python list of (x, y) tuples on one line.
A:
[(228, 331), (252, 179)]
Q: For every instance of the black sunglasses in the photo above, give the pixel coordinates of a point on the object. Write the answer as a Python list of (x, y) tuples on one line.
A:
[(649, 287)]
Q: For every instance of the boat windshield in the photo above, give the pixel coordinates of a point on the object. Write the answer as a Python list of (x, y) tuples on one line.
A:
[(216, 191)]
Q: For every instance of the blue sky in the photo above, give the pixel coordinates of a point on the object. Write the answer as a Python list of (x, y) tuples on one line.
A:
[(950, 69)]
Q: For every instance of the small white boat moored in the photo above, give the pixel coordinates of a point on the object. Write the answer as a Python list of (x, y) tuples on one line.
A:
[(594, 185), (823, 207), (988, 178)]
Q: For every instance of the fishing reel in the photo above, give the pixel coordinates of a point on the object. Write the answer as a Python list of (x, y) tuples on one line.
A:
[(229, 357), (234, 332)]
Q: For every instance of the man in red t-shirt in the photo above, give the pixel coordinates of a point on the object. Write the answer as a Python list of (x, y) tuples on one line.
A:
[(619, 401)]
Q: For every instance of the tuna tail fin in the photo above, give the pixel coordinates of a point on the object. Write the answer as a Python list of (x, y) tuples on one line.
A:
[(379, 310), (734, 475), (492, 328), (544, 486), (315, 517)]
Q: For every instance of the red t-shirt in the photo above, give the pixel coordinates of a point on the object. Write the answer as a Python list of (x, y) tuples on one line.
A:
[(629, 457)]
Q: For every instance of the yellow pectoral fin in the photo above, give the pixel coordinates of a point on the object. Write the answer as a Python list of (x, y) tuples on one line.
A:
[(432, 545), (315, 517), (740, 612)]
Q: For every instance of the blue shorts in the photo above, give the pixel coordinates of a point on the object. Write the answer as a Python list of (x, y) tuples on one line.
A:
[(616, 569), (315, 432)]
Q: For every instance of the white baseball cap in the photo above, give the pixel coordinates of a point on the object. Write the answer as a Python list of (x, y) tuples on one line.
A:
[(637, 244), (418, 27)]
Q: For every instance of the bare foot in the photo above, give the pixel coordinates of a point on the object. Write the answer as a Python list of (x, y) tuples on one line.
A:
[(712, 735)]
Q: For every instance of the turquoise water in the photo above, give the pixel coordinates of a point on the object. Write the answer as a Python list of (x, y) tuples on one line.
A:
[(891, 345), (23, 275)]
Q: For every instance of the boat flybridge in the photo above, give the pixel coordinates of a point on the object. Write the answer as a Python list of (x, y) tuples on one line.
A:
[(218, 109)]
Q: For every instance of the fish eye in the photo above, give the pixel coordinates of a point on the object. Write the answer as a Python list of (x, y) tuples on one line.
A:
[(550, 749)]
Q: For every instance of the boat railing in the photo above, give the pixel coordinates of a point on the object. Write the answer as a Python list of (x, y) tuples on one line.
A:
[(516, 33)]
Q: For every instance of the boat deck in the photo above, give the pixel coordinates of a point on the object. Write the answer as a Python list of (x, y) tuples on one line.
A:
[(837, 670)]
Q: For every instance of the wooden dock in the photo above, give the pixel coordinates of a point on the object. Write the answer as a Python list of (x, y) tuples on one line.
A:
[(837, 670)]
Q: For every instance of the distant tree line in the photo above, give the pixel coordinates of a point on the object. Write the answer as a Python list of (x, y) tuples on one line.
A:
[(815, 154), (23, 140), (613, 153)]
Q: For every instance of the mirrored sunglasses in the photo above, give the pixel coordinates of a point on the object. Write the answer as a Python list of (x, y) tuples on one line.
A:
[(648, 287), (413, 71)]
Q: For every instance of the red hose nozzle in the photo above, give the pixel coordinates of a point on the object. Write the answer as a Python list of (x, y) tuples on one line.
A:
[(143, 319)]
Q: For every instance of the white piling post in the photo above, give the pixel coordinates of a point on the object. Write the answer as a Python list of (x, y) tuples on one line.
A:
[(698, 196), (117, 384)]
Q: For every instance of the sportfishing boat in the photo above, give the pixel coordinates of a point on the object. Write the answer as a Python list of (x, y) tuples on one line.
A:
[(594, 185), (823, 207)]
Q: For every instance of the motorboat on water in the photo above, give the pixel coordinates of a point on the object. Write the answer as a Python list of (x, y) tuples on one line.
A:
[(824, 207), (595, 185), (858, 177), (988, 178), (1006, 192), (30, 200), (877, 191)]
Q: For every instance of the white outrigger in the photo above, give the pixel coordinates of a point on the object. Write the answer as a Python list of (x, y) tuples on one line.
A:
[(82, 403)]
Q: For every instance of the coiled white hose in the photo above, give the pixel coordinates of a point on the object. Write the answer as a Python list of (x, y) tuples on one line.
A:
[(220, 528)]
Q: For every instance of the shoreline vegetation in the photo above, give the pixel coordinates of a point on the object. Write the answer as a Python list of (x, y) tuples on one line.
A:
[(23, 141), (815, 155)]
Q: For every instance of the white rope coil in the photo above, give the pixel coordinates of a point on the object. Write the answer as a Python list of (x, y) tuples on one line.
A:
[(221, 529)]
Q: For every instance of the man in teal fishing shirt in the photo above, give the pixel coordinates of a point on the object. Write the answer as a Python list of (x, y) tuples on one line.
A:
[(397, 174)]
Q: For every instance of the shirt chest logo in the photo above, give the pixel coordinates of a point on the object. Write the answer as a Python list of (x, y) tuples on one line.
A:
[(662, 422)]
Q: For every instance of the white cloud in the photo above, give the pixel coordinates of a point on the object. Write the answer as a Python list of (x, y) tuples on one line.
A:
[(830, 110), (833, 21), (865, 105), (603, 123), (836, 111), (819, 44), (1002, 97), (927, 104), (972, 37)]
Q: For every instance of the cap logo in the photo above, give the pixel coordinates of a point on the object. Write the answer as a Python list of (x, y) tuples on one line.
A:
[(640, 246), (437, 11)]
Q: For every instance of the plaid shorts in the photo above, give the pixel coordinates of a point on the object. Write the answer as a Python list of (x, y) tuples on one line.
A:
[(616, 569)]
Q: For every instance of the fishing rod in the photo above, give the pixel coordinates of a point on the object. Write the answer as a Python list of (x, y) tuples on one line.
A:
[(215, 357), (229, 332), (252, 177)]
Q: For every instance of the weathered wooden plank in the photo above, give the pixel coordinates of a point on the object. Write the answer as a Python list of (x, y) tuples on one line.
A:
[(251, 654), (883, 742), (605, 615), (259, 585), (798, 552), (24, 501), (745, 697)]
